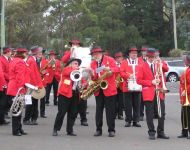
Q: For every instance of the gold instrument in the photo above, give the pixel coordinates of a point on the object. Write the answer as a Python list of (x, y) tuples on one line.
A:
[(119, 80), (38, 94), (95, 86)]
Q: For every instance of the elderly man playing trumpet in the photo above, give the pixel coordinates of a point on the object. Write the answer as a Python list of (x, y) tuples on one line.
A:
[(151, 79)]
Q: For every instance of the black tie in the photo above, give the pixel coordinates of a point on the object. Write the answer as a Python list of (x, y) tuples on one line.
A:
[(133, 61), (151, 66)]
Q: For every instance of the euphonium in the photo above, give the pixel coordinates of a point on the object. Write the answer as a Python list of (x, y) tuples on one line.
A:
[(95, 86), (18, 104)]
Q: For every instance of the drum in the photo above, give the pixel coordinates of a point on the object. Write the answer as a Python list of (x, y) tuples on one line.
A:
[(133, 86)]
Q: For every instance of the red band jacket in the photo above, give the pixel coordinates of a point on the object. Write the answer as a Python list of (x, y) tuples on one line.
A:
[(108, 62), (186, 74), (145, 79)]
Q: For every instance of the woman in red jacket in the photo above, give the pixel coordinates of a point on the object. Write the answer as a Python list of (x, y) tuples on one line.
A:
[(17, 80), (68, 97)]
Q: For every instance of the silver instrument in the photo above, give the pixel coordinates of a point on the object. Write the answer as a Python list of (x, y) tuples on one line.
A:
[(132, 82), (18, 104), (76, 75)]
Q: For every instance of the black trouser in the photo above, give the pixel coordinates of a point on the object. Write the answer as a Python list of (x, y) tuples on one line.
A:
[(55, 89), (82, 107), (119, 103), (150, 116), (142, 107), (109, 103), (185, 119), (31, 111), (69, 106), (16, 120), (132, 106), (42, 106), (3, 106)]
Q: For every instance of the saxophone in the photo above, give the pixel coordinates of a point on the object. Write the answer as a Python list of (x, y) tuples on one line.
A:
[(95, 86)]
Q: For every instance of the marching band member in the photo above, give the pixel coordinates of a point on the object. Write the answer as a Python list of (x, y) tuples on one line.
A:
[(31, 112), (104, 97), (185, 99), (42, 67), (142, 59), (68, 53), (149, 82), (5, 60), (130, 70), (52, 81), (2, 98), (68, 96), (119, 97), (17, 79)]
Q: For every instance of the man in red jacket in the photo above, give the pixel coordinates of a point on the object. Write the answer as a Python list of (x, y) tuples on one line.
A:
[(31, 113), (142, 59), (185, 99), (149, 80), (105, 97), (52, 80), (119, 97), (68, 54), (68, 97), (130, 69), (5, 60), (16, 85)]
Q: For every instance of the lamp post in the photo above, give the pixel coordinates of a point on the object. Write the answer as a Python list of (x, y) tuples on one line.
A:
[(2, 24), (174, 23)]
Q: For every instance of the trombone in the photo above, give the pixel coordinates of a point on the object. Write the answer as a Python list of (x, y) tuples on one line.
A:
[(163, 89)]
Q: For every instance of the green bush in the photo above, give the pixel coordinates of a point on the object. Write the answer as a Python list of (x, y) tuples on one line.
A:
[(175, 53)]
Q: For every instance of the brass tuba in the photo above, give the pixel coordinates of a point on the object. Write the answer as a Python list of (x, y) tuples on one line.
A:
[(95, 86)]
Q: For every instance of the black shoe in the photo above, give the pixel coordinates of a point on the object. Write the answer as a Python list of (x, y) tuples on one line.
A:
[(55, 104), (54, 133), (84, 123), (98, 133), (155, 116), (17, 134), (4, 122), (22, 132), (141, 118), (120, 117), (71, 134), (162, 136), (34, 122), (128, 124), (111, 134), (182, 136), (27, 122), (136, 124), (152, 137), (43, 116)]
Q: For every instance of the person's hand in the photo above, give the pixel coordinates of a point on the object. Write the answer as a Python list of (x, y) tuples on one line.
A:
[(156, 81), (183, 93), (107, 69)]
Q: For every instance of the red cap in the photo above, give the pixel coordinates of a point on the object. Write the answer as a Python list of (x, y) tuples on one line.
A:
[(52, 52), (151, 52), (6, 50), (74, 42), (144, 48), (95, 50), (133, 49), (20, 49), (187, 60), (118, 54)]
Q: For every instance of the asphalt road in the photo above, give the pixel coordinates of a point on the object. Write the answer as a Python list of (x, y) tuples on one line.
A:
[(40, 137)]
